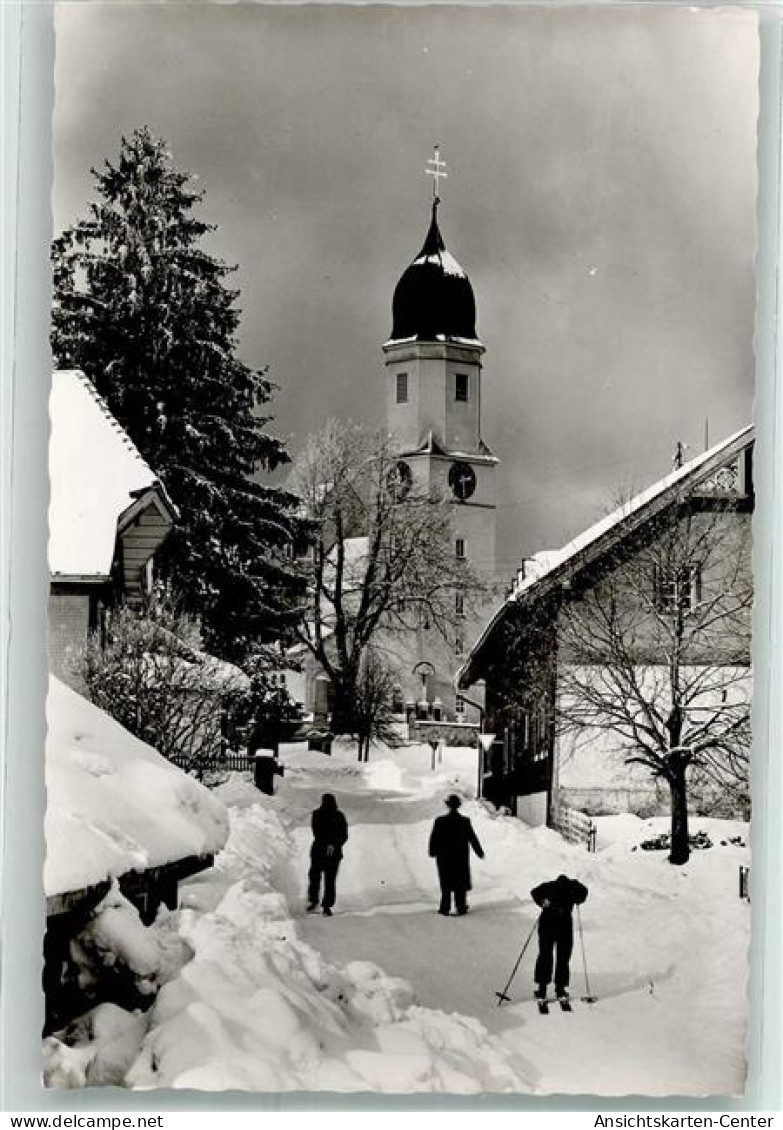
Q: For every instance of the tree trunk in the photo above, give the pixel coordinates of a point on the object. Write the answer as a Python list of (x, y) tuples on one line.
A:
[(680, 848), (343, 718)]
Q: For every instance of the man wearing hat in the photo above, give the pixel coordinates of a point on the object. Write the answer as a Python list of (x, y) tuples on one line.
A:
[(451, 838)]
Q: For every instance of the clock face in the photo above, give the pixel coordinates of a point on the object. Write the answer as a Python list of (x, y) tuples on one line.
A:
[(400, 480), (462, 480)]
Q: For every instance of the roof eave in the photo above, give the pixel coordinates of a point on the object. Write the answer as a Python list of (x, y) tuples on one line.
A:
[(79, 578), (563, 571), (152, 496)]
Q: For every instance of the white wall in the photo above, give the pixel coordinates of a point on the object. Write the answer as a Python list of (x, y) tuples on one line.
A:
[(532, 809)]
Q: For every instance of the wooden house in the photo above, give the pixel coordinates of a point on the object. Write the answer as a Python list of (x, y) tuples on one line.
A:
[(108, 514)]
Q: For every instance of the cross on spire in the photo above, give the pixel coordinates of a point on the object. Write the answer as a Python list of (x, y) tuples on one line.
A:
[(437, 170)]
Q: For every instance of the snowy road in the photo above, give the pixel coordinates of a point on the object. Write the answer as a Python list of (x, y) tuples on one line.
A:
[(388, 896), (388, 996), (641, 1036)]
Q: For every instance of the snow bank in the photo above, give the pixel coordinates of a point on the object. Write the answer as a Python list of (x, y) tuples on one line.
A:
[(258, 1009), (116, 938), (114, 804), (626, 832), (303, 761), (385, 775), (95, 1050)]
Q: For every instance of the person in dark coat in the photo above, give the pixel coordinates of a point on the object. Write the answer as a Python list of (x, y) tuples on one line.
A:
[(450, 842), (557, 900), (265, 769), (330, 831)]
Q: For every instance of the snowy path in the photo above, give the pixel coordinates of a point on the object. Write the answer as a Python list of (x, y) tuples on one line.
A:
[(388, 896), (642, 1037), (388, 996)]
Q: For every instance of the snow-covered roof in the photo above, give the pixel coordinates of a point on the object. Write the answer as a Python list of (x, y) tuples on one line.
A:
[(431, 444), (206, 672), (452, 339), (96, 476), (114, 804), (548, 563), (355, 562), (355, 549)]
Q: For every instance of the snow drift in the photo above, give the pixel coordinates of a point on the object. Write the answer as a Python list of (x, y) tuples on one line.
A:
[(114, 804)]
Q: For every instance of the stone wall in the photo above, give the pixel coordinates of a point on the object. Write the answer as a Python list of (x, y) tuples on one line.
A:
[(69, 626)]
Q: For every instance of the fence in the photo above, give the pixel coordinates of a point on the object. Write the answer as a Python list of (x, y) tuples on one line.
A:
[(573, 825), (744, 882), (239, 762)]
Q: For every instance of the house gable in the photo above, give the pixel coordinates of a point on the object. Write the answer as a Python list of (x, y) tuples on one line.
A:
[(721, 478), (88, 506)]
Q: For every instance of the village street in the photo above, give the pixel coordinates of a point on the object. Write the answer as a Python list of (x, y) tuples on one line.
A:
[(388, 896), (387, 995), (666, 946), (640, 942)]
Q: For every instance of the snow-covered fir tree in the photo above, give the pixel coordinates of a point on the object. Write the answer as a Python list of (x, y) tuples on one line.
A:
[(145, 312)]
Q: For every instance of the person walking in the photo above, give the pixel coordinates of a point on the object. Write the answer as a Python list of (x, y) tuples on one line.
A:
[(330, 832), (557, 900), (451, 839)]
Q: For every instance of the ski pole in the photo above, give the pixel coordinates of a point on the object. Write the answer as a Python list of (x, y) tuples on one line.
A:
[(588, 998), (504, 995)]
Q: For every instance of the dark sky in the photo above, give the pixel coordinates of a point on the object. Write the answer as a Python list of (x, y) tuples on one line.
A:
[(600, 197)]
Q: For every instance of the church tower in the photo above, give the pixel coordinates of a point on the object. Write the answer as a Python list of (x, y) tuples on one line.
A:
[(433, 364)]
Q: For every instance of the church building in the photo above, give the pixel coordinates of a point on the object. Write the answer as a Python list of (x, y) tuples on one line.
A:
[(433, 362), (433, 397)]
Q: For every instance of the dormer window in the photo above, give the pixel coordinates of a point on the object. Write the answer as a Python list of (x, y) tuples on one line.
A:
[(402, 388), (461, 386)]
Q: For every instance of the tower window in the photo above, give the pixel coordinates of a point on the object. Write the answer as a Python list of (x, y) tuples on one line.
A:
[(461, 386), (402, 388), (459, 548), (459, 604)]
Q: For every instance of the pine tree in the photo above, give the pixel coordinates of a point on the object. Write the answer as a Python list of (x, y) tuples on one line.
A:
[(145, 312)]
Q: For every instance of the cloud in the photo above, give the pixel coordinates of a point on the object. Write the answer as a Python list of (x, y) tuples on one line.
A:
[(601, 198)]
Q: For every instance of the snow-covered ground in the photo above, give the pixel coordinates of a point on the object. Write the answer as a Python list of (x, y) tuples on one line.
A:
[(388, 996)]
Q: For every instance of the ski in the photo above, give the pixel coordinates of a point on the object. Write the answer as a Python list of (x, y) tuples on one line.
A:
[(543, 1005)]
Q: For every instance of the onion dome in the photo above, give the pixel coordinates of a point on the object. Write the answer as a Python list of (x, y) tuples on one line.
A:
[(433, 301)]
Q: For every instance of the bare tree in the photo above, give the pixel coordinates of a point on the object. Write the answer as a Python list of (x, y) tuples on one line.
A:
[(656, 651), (381, 560), (374, 709), (148, 673)]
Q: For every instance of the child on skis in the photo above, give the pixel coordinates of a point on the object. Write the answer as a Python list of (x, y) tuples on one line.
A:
[(557, 900)]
